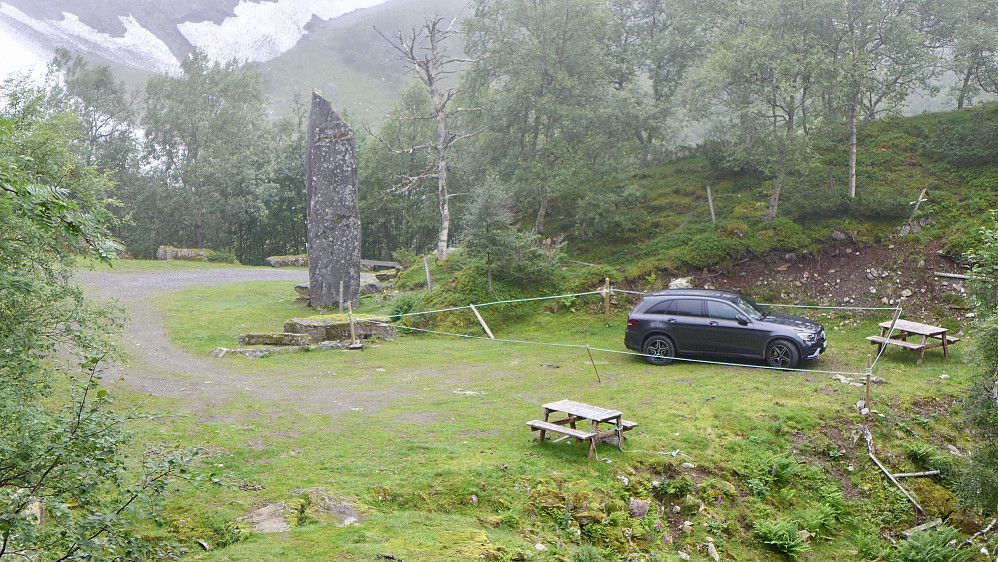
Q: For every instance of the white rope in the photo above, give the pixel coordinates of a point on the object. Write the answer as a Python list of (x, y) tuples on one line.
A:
[(390, 316), (617, 351)]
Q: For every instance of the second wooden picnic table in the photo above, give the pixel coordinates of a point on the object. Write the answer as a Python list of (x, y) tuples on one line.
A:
[(903, 329)]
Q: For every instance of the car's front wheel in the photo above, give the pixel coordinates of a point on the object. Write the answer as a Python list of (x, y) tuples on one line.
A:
[(659, 350), (782, 354)]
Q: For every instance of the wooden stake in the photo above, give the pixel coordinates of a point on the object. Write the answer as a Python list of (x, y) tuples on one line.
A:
[(606, 300), (353, 333), (429, 282), (869, 369), (482, 321), (710, 203)]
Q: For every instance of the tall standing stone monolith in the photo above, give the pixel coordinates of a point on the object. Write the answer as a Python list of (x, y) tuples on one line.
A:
[(333, 222)]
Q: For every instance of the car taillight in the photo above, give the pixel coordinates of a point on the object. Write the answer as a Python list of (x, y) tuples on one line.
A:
[(632, 321)]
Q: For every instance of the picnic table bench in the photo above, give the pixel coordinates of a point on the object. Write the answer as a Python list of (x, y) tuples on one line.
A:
[(577, 412), (931, 337)]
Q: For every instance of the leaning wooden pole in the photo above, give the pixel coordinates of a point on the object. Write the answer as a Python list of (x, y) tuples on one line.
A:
[(482, 322)]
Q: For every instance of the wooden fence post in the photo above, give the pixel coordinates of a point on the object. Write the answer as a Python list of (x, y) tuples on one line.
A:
[(869, 369), (606, 300), (429, 282), (710, 203), (354, 344)]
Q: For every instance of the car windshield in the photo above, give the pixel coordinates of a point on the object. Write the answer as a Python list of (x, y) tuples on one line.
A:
[(753, 310)]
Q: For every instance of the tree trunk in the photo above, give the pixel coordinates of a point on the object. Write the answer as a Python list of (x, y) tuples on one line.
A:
[(440, 103), (962, 98), (198, 236), (853, 116), (539, 223), (645, 142), (444, 231), (774, 196)]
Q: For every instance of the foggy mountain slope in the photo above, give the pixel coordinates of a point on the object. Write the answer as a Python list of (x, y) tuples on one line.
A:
[(155, 36), (299, 44)]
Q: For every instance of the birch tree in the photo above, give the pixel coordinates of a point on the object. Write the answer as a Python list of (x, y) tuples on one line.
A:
[(881, 50), (423, 51), (764, 74)]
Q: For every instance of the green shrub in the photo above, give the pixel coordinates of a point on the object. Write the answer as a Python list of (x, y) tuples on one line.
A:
[(406, 303), (789, 235), (951, 324), (880, 205), (709, 249), (930, 546), (404, 257), (819, 520), (609, 214), (782, 536), (221, 257), (588, 553)]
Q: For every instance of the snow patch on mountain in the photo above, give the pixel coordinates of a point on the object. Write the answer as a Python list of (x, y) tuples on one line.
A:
[(16, 58), (260, 31), (137, 47)]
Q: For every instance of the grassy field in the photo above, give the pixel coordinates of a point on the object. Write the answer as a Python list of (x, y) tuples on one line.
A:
[(149, 266), (425, 438)]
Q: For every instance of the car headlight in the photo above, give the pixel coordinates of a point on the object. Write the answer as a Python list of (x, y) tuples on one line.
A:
[(809, 337)]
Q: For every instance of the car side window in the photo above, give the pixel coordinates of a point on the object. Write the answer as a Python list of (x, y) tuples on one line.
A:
[(688, 307), (721, 311), (664, 307)]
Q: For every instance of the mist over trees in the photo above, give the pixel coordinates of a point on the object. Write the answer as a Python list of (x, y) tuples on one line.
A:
[(571, 96)]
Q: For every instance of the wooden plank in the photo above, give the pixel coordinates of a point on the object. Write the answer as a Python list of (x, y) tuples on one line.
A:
[(934, 523), (538, 425), (956, 276), (917, 474), (915, 327), (891, 341), (377, 263), (583, 410)]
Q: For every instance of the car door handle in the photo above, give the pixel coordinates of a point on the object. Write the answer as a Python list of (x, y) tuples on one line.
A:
[(713, 323), (671, 321)]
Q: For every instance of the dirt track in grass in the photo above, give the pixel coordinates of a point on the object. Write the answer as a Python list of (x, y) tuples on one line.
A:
[(158, 367)]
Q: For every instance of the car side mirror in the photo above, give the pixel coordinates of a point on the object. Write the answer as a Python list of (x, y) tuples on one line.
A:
[(742, 320)]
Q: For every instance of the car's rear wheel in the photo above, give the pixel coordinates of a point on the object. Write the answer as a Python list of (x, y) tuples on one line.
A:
[(782, 354), (659, 350)]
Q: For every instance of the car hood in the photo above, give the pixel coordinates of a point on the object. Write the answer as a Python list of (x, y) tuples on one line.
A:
[(791, 320)]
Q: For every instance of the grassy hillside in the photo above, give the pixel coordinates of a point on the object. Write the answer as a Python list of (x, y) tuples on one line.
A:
[(952, 155)]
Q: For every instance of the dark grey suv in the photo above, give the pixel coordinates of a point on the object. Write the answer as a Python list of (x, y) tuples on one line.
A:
[(709, 322)]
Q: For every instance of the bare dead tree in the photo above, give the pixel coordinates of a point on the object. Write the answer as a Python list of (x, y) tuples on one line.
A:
[(423, 52)]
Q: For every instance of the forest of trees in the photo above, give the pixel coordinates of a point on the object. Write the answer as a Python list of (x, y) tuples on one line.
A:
[(546, 104)]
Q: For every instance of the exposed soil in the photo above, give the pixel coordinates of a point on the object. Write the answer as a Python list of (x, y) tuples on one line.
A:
[(844, 275)]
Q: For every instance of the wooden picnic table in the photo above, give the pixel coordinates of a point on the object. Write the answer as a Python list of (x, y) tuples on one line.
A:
[(904, 329), (576, 413)]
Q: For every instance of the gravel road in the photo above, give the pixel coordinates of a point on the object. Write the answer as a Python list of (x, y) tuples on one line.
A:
[(159, 368)]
